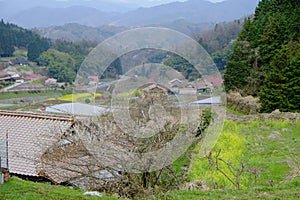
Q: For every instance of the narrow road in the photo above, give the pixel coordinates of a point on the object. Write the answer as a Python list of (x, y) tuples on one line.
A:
[(9, 87)]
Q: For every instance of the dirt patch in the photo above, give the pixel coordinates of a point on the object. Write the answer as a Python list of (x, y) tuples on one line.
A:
[(276, 136), (196, 185)]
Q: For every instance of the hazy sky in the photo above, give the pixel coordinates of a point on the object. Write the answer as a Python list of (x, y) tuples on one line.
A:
[(136, 3), (159, 1), (144, 2), (133, 2), (152, 1), (10, 7)]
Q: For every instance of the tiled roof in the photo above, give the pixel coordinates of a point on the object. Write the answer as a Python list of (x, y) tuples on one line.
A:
[(216, 81), (29, 135)]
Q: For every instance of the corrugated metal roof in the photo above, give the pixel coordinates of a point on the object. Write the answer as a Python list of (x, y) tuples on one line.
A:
[(77, 109), (29, 135), (216, 100)]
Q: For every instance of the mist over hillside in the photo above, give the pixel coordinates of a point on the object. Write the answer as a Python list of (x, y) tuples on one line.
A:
[(75, 32), (95, 13), (194, 11), (12, 7)]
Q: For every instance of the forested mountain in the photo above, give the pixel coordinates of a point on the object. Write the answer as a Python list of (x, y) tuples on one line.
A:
[(195, 11), (75, 32), (60, 58), (219, 41), (220, 35), (45, 16), (14, 7), (192, 11), (266, 57), (13, 36)]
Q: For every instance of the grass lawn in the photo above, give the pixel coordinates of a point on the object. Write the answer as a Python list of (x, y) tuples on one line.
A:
[(249, 194), (20, 189)]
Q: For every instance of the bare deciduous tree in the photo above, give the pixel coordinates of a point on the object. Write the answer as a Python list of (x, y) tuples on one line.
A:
[(97, 154), (236, 172)]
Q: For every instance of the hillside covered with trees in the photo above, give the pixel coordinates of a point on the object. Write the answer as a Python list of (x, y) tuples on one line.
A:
[(59, 58), (219, 41), (15, 36), (266, 57)]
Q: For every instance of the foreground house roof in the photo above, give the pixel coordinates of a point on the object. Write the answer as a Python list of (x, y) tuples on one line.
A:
[(28, 135)]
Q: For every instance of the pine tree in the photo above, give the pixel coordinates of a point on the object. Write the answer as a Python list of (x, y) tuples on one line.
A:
[(265, 60), (281, 89), (36, 48), (239, 66)]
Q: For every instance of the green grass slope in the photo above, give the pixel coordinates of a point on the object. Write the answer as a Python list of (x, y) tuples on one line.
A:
[(272, 147), (19, 189)]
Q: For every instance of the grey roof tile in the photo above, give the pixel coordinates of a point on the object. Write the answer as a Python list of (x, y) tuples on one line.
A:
[(29, 135)]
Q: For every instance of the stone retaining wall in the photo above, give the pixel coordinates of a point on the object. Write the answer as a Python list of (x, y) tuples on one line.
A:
[(247, 105), (275, 115)]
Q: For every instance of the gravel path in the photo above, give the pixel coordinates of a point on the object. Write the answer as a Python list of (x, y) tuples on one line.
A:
[(5, 105)]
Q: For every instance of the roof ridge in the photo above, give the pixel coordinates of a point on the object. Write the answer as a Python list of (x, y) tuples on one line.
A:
[(37, 115)]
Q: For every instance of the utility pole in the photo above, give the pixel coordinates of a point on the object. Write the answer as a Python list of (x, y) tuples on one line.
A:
[(7, 151), (1, 175), (4, 172)]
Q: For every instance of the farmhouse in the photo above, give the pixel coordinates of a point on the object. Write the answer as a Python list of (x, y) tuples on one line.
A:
[(5, 77), (197, 87), (155, 88), (20, 61), (93, 80), (214, 80), (51, 82), (41, 146), (25, 136)]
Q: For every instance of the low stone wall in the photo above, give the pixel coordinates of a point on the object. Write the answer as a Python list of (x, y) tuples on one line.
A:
[(275, 115), (246, 105)]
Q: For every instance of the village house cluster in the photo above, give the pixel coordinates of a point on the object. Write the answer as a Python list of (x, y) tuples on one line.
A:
[(12, 80)]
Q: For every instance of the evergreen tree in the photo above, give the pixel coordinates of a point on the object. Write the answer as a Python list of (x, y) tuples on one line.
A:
[(239, 66), (12, 36), (281, 89), (36, 48), (265, 60)]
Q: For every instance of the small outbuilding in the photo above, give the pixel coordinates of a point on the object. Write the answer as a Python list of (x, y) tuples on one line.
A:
[(20, 61)]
